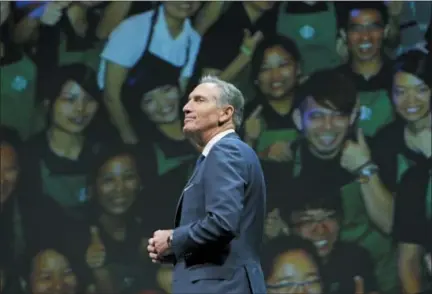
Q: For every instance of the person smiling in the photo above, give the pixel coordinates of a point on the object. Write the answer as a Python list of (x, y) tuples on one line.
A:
[(315, 213), (365, 30), (406, 141), (56, 160)]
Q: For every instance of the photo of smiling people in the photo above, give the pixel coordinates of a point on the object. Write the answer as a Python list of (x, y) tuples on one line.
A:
[(315, 213)]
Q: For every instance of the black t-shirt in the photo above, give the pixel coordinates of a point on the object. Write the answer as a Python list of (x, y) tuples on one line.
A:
[(221, 43), (273, 119), (413, 207), (381, 81), (385, 146), (316, 169), (339, 275)]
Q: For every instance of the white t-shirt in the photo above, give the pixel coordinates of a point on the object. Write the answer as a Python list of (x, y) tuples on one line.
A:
[(127, 42)]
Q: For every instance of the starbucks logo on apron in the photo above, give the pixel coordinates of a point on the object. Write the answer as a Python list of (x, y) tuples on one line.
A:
[(307, 32), (19, 83), (365, 113)]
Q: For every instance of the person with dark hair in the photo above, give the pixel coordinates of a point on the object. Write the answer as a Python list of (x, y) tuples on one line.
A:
[(167, 156), (365, 28), (275, 72), (334, 150), (316, 214), (11, 231), (407, 140), (56, 160), (111, 244), (18, 79), (160, 41), (268, 126), (51, 269), (412, 228), (292, 265)]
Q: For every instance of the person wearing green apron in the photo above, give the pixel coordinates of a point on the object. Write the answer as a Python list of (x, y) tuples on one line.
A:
[(268, 124), (412, 227), (18, 86), (276, 66), (364, 31), (167, 156), (117, 187), (396, 145), (336, 152), (314, 28), (56, 160)]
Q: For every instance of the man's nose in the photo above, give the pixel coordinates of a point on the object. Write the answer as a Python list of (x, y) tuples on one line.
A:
[(186, 108)]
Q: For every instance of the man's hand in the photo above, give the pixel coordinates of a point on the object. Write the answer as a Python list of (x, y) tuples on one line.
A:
[(355, 154), (158, 245)]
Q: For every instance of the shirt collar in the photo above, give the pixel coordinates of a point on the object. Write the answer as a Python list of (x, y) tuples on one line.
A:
[(214, 140)]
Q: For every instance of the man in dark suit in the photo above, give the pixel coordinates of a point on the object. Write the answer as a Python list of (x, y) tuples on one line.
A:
[(215, 246)]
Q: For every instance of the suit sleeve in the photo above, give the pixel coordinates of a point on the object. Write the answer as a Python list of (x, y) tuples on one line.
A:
[(224, 180)]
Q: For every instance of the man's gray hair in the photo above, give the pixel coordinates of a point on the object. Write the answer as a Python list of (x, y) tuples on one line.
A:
[(230, 95)]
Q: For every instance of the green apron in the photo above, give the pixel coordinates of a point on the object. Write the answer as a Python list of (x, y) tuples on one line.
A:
[(90, 57), (357, 228), (69, 191), (376, 111), (17, 99), (167, 164), (315, 35)]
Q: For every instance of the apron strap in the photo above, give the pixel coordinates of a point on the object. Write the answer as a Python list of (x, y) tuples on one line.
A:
[(154, 20)]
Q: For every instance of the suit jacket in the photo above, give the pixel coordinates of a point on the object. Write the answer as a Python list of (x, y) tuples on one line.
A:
[(219, 223)]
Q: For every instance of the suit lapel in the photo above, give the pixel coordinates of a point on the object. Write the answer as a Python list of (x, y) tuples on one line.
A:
[(179, 202)]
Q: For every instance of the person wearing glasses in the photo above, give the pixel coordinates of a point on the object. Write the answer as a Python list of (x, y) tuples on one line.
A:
[(315, 213)]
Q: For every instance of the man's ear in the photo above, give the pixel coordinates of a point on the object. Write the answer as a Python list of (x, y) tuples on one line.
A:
[(297, 118), (226, 115)]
